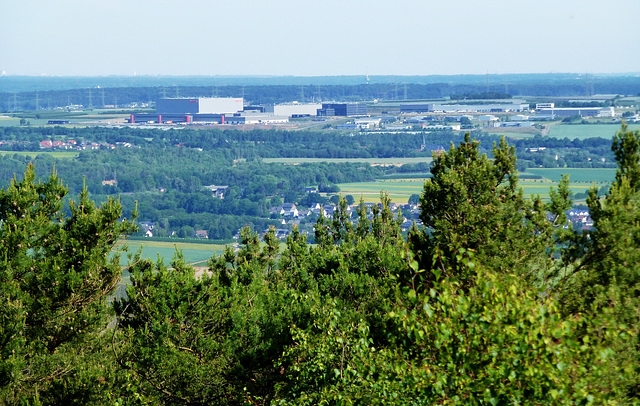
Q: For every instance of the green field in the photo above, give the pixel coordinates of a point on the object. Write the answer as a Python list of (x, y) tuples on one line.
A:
[(588, 175), (192, 252), (584, 131), (372, 161), (541, 188), (54, 154), (399, 189), (581, 180)]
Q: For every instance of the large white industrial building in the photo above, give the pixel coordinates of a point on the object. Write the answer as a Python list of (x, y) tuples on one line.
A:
[(296, 109), (200, 105)]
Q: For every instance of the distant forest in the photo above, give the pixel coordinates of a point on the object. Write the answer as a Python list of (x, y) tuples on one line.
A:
[(30, 93)]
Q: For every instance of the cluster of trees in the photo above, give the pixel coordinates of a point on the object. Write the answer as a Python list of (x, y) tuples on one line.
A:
[(165, 171), (238, 144), (494, 302)]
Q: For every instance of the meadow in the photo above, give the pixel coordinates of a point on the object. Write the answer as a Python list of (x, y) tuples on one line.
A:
[(193, 253), (54, 154), (399, 190), (372, 161), (589, 175), (584, 131)]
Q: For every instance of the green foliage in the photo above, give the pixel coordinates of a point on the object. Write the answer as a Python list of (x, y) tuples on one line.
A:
[(496, 342), (172, 329), (350, 199), (608, 255), (601, 266), (210, 338), (473, 309), (475, 203), (626, 147), (414, 199), (55, 276)]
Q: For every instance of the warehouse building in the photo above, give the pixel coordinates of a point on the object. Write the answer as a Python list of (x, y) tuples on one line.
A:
[(553, 113), (463, 108), (191, 110), (200, 105), (343, 109), (295, 109)]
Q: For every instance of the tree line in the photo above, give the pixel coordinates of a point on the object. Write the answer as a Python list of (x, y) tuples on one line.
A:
[(165, 172), (121, 92)]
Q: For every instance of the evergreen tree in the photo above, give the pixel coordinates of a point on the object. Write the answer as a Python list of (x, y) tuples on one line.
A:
[(474, 202), (603, 265), (55, 276)]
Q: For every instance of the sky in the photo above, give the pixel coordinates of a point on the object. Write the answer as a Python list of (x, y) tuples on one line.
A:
[(317, 38)]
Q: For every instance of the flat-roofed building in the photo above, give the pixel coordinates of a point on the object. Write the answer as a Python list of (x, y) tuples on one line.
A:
[(200, 105), (190, 110), (573, 111), (343, 109), (296, 109)]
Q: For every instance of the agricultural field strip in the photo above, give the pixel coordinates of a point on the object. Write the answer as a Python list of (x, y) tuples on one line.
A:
[(584, 131), (598, 175), (581, 180), (372, 161), (54, 154), (376, 187), (192, 252)]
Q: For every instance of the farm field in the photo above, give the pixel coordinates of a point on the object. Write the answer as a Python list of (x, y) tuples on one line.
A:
[(584, 131), (192, 252), (372, 161), (399, 189), (581, 180), (514, 132), (54, 154), (589, 175)]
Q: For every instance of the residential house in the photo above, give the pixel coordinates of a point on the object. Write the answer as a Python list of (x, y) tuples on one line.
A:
[(147, 226), (289, 210), (217, 191)]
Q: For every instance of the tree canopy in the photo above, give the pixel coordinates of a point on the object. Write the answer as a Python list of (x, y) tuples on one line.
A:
[(493, 301)]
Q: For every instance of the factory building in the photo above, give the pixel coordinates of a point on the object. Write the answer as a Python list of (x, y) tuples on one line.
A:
[(295, 109), (191, 110), (343, 109), (417, 108), (200, 105), (553, 113), (463, 108)]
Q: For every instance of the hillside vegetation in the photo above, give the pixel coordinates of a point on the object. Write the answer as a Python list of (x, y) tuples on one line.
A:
[(493, 302)]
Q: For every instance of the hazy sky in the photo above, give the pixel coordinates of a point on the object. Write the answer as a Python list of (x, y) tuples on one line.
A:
[(311, 38)]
